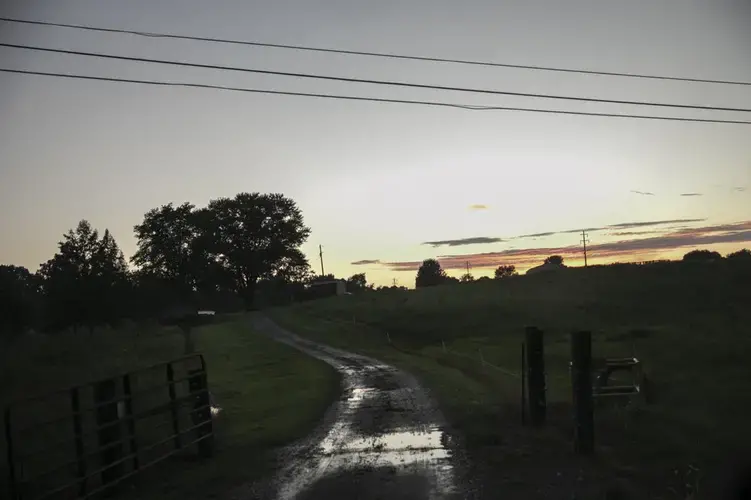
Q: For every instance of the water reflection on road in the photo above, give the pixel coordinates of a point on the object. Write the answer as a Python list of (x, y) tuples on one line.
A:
[(384, 440)]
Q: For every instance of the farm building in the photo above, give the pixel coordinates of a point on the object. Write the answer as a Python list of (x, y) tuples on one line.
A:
[(328, 288)]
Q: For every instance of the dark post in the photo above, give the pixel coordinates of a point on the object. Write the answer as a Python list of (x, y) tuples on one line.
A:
[(535, 364), (12, 483), (173, 405), (187, 329), (109, 432), (201, 414), (581, 384), (75, 406), (524, 387), (131, 423)]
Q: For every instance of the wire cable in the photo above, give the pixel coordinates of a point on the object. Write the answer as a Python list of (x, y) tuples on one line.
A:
[(365, 81), (376, 54), (368, 99)]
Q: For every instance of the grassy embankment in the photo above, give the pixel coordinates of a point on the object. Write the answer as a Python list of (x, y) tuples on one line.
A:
[(688, 324), (270, 395)]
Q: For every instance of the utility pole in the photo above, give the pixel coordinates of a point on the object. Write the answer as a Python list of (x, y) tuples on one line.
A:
[(394, 281), (320, 254), (584, 242), (467, 264)]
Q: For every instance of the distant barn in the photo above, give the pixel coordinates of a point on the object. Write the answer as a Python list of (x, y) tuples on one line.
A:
[(328, 288)]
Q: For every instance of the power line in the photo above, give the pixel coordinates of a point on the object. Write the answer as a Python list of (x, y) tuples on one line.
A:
[(376, 54), (364, 80), (368, 99)]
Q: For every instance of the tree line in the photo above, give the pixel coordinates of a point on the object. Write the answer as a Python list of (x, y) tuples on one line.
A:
[(234, 254), (228, 256), (430, 272)]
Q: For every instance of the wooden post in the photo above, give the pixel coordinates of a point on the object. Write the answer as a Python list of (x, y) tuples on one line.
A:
[(109, 432), (173, 405), (201, 414), (535, 375), (524, 387), (131, 425), (75, 406), (581, 384), (12, 479), (189, 345)]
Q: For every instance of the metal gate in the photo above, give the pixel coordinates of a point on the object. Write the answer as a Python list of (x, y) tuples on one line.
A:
[(82, 441)]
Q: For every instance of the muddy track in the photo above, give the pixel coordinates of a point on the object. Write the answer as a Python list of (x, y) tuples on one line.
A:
[(383, 439)]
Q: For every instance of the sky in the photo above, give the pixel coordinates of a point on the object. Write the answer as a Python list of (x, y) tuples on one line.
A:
[(384, 186)]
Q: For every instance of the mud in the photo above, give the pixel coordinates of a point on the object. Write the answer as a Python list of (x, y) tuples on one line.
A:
[(383, 439)]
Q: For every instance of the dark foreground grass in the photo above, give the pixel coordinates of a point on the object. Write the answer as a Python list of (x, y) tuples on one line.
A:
[(270, 395), (688, 324)]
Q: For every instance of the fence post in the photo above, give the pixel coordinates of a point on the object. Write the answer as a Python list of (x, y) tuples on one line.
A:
[(109, 435), (201, 414), (173, 405), (12, 480), (535, 375), (524, 386), (75, 406), (581, 384), (128, 393)]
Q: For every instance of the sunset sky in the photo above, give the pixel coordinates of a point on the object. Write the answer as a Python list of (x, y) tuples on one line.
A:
[(384, 186)]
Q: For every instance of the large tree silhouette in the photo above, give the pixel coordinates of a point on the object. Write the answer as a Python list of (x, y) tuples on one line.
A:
[(85, 282), (254, 236), (430, 273)]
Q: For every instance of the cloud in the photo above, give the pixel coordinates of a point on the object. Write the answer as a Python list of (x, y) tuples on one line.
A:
[(633, 233), (623, 249), (739, 189), (365, 262), (626, 225), (478, 240), (691, 194), (643, 193), (620, 225), (588, 229), (536, 235), (478, 206)]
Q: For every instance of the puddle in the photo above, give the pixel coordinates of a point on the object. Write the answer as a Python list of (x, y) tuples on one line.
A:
[(385, 437)]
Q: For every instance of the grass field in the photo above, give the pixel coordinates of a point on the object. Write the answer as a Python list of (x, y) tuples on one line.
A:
[(270, 395), (688, 324)]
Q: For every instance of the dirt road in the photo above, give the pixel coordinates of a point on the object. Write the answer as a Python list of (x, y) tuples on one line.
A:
[(382, 440)]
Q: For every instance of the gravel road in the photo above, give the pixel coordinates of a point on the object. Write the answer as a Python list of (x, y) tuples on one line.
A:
[(382, 440)]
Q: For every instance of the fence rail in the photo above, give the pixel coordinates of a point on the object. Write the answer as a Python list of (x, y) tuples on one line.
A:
[(108, 431)]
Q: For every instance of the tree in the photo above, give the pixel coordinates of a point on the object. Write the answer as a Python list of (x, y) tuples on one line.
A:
[(505, 272), (743, 255), (83, 284), (252, 236), (467, 278), (555, 260), (357, 283), (18, 299), (701, 256), (430, 273), (169, 250)]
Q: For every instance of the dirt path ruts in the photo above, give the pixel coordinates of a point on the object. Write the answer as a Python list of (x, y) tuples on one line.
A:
[(382, 440)]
